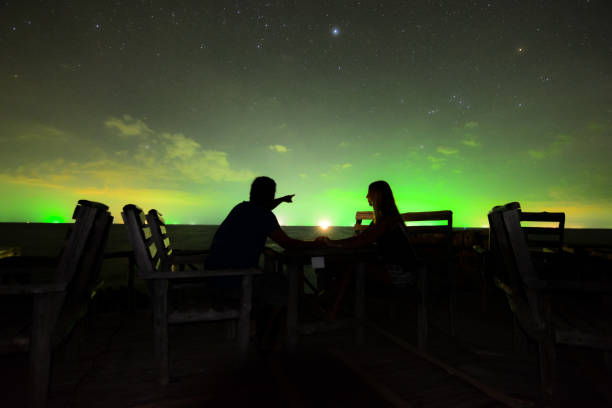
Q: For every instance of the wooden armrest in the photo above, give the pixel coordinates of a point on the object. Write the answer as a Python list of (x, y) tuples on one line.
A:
[(30, 289), (270, 252), (180, 259), (189, 252), (567, 286), (17, 269), (118, 254), (200, 273)]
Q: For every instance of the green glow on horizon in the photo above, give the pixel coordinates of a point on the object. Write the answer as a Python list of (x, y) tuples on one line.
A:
[(54, 219), (334, 206)]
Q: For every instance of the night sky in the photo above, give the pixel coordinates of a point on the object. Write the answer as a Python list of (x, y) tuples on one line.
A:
[(178, 105)]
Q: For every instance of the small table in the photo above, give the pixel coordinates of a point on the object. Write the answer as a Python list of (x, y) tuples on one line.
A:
[(295, 260)]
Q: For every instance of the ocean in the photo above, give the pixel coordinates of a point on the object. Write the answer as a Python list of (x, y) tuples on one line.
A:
[(38, 239)]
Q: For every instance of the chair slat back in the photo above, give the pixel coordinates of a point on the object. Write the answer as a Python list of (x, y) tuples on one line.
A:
[(86, 279), (427, 239), (419, 216), (160, 234), (85, 215), (509, 244), (147, 257), (442, 231), (431, 239), (544, 237)]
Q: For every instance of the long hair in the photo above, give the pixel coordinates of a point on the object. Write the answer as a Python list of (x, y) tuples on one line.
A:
[(382, 200)]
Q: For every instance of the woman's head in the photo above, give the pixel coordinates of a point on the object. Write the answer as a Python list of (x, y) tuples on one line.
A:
[(380, 197)]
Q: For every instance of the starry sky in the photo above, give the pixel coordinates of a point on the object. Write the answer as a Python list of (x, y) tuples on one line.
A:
[(178, 105)]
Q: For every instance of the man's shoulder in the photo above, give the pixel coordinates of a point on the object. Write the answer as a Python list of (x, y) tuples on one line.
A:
[(248, 206)]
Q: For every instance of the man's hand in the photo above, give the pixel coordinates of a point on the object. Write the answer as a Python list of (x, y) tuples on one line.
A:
[(283, 199), (287, 198)]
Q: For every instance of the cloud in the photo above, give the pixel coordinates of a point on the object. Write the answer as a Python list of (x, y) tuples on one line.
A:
[(343, 144), (211, 165), (343, 166), (598, 126), (470, 142), (559, 145), (447, 150), (180, 147), (436, 162), (127, 126), (43, 133), (537, 154), (278, 148), (170, 161), (471, 125)]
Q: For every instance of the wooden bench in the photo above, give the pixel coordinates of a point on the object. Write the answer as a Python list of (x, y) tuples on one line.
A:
[(162, 269), (60, 293), (549, 311), (431, 239)]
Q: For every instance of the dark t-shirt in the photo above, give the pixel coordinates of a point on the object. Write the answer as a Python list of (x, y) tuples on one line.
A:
[(241, 237)]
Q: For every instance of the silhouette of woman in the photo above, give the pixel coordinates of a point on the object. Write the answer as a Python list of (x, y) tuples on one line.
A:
[(388, 232)]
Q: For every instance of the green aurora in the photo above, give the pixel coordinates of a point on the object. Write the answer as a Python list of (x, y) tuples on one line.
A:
[(178, 108)]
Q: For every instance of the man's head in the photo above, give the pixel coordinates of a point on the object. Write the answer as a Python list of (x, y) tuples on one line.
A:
[(262, 190)]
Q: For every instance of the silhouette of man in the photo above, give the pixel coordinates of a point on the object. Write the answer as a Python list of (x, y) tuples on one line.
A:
[(239, 242), (241, 237)]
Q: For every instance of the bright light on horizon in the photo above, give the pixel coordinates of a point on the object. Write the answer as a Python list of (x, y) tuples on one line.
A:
[(324, 224)]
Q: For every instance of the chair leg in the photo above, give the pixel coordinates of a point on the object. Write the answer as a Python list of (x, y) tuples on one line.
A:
[(293, 272), (422, 308), (360, 303), (521, 345), (333, 311), (131, 290), (230, 329), (160, 327), (44, 315), (547, 356), (244, 322), (452, 301)]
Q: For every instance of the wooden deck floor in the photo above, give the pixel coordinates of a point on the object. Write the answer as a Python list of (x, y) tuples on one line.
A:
[(108, 362)]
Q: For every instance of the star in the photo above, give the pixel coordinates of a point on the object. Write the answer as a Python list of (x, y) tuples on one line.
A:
[(335, 31)]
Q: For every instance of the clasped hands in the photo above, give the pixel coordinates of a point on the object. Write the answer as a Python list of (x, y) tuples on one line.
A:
[(324, 241)]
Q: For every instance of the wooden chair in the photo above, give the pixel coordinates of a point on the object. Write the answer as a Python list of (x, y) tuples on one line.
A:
[(433, 246), (540, 237), (541, 240), (161, 272), (546, 309), (60, 294)]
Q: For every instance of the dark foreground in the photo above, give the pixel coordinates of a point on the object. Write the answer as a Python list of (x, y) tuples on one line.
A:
[(108, 362)]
